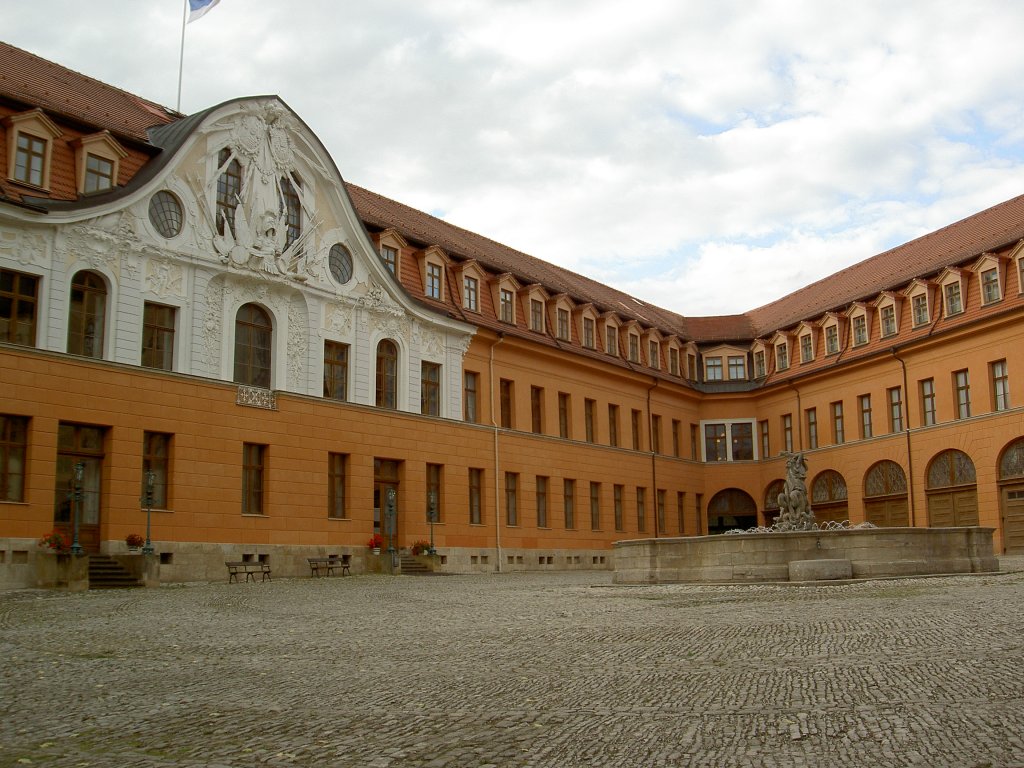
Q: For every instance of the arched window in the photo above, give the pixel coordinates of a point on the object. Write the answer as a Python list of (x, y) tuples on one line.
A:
[(828, 497), (886, 478), (730, 509), (952, 492), (387, 374), (88, 315), (1011, 463), (951, 468), (771, 500), (885, 495), (254, 335), (229, 187)]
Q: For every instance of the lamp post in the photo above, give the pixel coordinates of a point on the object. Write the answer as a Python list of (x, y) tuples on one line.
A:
[(390, 514), (76, 507), (150, 482), (432, 515)]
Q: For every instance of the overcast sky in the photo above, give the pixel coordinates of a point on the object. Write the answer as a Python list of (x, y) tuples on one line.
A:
[(705, 156)]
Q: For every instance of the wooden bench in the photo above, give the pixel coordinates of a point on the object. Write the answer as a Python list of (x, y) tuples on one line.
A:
[(248, 567), (328, 565)]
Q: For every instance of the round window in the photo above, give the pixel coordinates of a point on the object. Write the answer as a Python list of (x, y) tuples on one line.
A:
[(165, 213), (340, 263)]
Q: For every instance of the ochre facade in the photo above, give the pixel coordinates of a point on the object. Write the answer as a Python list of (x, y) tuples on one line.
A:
[(322, 346)]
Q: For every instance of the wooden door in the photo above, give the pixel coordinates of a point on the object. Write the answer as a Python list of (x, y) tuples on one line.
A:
[(887, 513), (1012, 502)]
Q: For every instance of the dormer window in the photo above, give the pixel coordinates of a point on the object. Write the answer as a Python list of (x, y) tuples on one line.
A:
[(919, 309), (99, 174), (990, 286), (537, 315), (562, 324), (832, 339), (737, 367), (506, 306), (653, 354), (781, 356), (806, 348), (588, 333), (611, 345), (389, 255), (435, 279), (954, 301), (989, 269), (713, 369), (29, 153), (888, 320), (760, 368), (471, 293), (860, 330), (634, 348), (98, 157), (673, 361)]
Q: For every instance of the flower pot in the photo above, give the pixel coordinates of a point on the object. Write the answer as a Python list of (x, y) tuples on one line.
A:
[(375, 550)]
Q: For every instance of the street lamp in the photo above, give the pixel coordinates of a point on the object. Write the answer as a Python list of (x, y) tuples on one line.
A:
[(76, 506), (150, 481), (390, 515), (432, 515)]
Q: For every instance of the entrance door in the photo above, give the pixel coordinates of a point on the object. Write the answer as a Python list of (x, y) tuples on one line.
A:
[(953, 508), (887, 513), (385, 486), (79, 466), (1013, 519)]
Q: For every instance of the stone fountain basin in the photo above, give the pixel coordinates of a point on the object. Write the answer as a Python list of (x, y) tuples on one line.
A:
[(800, 556)]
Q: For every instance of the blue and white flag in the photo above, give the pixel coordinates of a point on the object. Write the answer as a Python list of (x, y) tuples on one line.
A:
[(198, 8)]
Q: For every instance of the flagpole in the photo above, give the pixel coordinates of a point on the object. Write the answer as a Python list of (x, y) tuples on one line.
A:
[(181, 58)]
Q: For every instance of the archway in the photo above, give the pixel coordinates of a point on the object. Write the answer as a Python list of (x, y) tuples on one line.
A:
[(730, 509), (1011, 497), (829, 497), (952, 491), (771, 501), (885, 495)]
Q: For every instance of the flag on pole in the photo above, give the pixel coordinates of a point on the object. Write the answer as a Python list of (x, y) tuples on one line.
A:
[(198, 8)]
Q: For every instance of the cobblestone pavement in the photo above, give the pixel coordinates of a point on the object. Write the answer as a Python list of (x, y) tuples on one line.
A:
[(516, 670)]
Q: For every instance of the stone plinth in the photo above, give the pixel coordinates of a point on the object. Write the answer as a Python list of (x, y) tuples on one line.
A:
[(759, 557)]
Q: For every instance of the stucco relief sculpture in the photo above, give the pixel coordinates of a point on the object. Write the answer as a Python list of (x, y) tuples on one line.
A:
[(795, 513)]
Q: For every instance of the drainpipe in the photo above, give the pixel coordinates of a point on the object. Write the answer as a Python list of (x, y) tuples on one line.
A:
[(906, 431), (654, 456), (494, 426)]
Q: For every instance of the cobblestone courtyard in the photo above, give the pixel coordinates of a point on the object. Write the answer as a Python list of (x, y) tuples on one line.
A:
[(516, 670)]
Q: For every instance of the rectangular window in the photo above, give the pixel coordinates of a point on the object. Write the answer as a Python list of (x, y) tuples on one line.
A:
[(1000, 385), (563, 323), (29, 159), (18, 307), (588, 333), (563, 415), (434, 281), (954, 302), (762, 427), (641, 509), (470, 293), (588, 419), (158, 336), (927, 387), (613, 425), (760, 371), (715, 446), (781, 357), (864, 401), (569, 503), (542, 502), (653, 355), (433, 509), (838, 428), (595, 506), (655, 433), (505, 397), (919, 309), (511, 498), (476, 485), (962, 385), (635, 424), (676, 438), (13, 447), (536, 316), (888, 316), (712, 369), (673, 361), (741, 441), (470, 394), (737, 367), (806, 353), (895, 409), (831, 339), (990, 286), (611, 340), (537, 410), (860, 330), (634, 348), (430, 389), (506, 307), (253, 475), (812, 427), (389, 256), (617, 501), (99, 174), (787, 432), (335, 370), (336, 463), (156, 458), (659, 495)]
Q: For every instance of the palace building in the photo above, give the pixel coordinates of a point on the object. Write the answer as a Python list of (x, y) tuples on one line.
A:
[(202, 299)]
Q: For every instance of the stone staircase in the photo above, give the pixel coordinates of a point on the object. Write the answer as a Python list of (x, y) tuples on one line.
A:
[(106, 573), (413, 567)]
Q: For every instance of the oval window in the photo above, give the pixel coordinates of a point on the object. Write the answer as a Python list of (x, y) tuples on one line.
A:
[(165, 213), (340, 263)]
